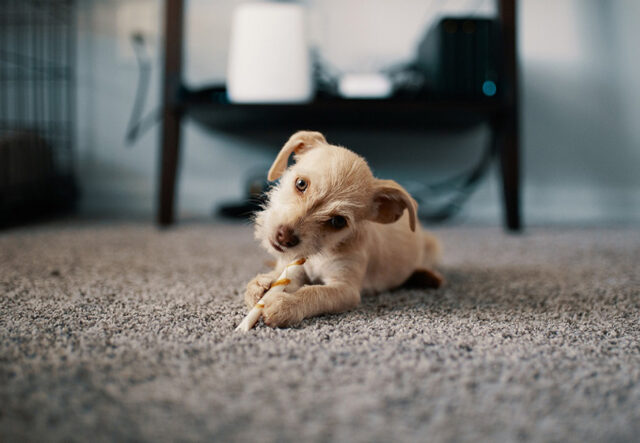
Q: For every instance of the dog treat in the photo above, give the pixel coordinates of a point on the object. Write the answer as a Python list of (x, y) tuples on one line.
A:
[(291, 279)]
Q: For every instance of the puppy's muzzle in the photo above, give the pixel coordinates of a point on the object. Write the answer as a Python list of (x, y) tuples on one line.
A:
[(286, 237)]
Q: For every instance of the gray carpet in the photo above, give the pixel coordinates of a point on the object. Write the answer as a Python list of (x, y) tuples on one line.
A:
[(122, 332)]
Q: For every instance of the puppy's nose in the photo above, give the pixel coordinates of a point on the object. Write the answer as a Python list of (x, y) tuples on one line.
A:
[(285, 236)]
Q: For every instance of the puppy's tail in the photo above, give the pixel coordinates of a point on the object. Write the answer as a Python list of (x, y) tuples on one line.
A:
[(432, 250)]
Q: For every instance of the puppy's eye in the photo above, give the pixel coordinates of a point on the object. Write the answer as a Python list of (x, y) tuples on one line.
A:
[(301, 184), (338, 222)]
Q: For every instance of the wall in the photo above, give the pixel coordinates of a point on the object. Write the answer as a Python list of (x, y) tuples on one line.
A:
[(580, 89)]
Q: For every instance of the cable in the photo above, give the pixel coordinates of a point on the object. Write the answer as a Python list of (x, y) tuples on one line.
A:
[(463, 184), (138, 125)]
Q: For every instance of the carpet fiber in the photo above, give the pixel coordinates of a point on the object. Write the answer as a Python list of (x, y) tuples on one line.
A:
[(123, 332)]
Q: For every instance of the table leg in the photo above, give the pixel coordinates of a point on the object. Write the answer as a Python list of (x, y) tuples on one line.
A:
[(171, 111), (508, 150), (508, 135)]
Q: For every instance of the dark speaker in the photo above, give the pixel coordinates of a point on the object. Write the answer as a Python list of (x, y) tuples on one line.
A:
[(460, 57)]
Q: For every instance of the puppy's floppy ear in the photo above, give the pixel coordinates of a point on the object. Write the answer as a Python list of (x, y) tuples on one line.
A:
[(389, 202), (299, 142)]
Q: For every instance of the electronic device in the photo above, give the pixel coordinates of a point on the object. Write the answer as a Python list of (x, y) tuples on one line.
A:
[(269, 58), (365, 86), (460, 57)]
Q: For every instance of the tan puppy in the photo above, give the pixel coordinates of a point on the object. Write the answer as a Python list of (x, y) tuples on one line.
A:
[(350, 226)]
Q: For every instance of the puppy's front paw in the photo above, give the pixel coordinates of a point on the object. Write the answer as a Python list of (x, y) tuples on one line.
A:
[(256, 289), (281, 310)]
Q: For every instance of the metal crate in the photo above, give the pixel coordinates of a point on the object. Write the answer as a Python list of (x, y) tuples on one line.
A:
[(37, 104)]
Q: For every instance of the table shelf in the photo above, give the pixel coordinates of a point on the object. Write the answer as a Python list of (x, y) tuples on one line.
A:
[(211, 107)]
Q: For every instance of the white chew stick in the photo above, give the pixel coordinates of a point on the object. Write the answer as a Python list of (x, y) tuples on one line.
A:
[(291, 279)]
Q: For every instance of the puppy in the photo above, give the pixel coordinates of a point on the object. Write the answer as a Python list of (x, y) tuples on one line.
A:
[(358, 233)]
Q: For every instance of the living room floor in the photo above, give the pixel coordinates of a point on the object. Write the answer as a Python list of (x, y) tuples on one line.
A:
[(120, 331)]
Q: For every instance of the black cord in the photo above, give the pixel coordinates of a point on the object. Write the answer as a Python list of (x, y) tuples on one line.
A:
[(463, 185), (138, 125)]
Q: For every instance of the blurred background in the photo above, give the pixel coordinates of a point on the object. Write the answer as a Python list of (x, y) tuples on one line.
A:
[(98, 75)]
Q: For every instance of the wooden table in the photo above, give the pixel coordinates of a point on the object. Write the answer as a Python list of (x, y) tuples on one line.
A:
[(500, 113)]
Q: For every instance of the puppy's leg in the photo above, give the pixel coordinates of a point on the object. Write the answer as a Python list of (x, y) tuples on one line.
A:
[(432, 250), (424, 278), (258, 286), (284, 309)]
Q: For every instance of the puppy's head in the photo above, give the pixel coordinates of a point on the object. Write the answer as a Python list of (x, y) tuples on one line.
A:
[(324, 198)]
